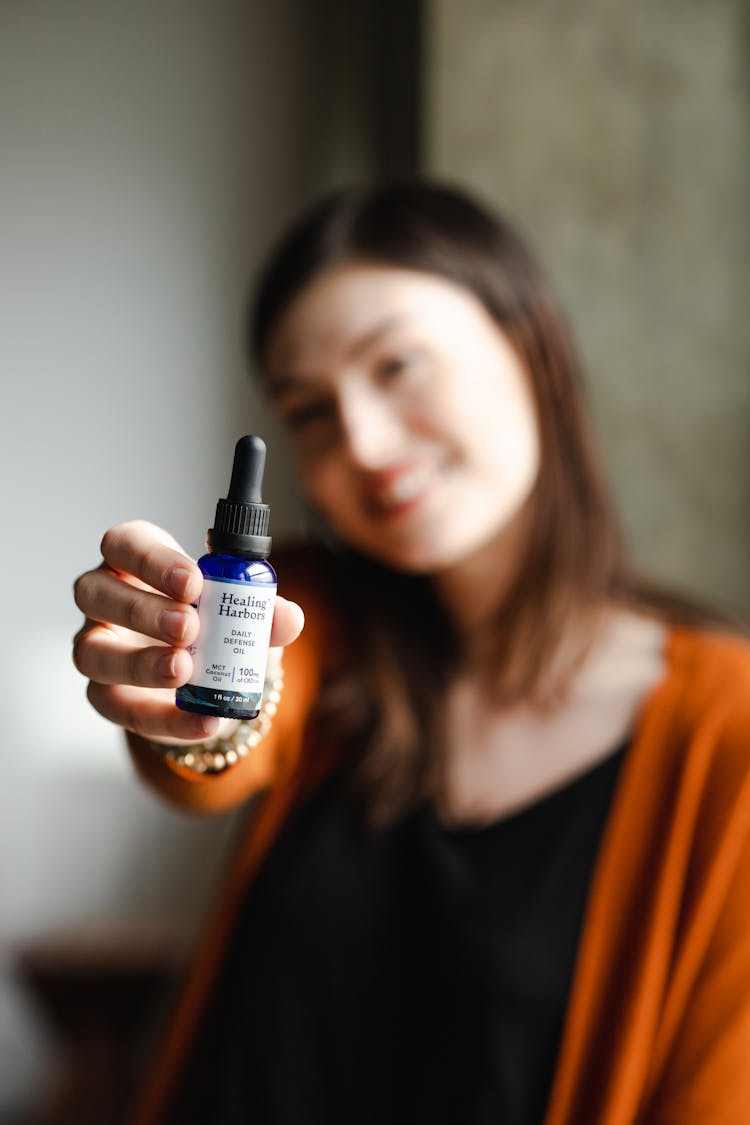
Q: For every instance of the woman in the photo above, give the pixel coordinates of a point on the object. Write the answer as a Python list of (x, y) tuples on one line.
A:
[(499, 867)]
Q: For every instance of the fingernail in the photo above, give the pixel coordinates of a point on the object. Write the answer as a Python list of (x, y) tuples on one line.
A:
[(174, 624), (179, 579), (167, 665), (209, 725)]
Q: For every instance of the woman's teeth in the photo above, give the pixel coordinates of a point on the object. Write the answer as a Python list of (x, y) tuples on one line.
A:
[(404, 488)]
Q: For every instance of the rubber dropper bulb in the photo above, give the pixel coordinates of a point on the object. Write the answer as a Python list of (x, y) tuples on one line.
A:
[(249, 464)]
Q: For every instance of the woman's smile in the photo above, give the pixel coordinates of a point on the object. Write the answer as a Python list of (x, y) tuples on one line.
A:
[(401, 489)]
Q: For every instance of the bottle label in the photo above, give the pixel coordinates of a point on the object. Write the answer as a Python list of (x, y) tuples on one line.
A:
[(231, 652)]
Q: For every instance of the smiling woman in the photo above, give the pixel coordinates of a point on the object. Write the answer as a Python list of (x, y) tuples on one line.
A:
[(503, 846)]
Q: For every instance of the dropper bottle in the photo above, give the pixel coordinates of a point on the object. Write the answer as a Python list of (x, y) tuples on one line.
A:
[(235, 609)]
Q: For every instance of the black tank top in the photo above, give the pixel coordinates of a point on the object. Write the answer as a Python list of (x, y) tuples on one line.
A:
[(409, 974)]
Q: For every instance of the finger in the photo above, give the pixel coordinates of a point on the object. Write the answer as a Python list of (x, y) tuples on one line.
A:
[(150, 554), (288, 622), (101, 655), (103, 597), (151, 714)]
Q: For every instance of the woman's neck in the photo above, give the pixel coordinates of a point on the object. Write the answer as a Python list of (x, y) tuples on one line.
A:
[(472, 590)]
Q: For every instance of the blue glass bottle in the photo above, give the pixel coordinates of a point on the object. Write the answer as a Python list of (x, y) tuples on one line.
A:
[(236, 607)]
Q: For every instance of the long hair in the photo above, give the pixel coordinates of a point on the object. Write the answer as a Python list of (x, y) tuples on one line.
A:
[(403, 651)]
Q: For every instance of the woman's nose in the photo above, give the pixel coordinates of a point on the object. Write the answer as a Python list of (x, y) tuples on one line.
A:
[(372, 430)]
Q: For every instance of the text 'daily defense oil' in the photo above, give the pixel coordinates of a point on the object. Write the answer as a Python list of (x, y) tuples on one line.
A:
[(235, 609)]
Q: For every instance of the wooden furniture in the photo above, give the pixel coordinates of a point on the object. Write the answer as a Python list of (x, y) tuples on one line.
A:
[(101, 991)]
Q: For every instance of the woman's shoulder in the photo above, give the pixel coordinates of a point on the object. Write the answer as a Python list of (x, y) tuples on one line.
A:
[(711, 670), (715, 663)]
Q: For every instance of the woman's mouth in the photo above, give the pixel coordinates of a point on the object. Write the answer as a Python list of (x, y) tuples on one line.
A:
[(397, 490)]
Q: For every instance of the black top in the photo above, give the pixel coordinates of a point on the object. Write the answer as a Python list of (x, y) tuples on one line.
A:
[(411, 974)]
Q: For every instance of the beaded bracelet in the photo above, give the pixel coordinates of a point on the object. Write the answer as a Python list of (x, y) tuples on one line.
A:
[(218, 754)]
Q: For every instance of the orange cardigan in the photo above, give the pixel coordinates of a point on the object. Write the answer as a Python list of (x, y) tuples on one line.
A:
[(657, 1030)]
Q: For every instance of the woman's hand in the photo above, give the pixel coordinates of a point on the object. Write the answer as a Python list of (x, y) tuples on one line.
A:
[(139, 622)]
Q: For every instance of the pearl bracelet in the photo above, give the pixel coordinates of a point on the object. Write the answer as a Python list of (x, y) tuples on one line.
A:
[(218, 754)]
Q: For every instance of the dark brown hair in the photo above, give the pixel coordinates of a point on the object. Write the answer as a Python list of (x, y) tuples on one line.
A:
[(402, 649)]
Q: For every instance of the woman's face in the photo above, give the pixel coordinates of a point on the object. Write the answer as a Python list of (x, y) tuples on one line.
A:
[(410, 414)]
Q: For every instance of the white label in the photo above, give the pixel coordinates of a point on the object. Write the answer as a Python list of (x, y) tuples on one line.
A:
[(235, 627)]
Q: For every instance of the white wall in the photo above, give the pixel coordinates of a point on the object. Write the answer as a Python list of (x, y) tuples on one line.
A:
[(147, 153)]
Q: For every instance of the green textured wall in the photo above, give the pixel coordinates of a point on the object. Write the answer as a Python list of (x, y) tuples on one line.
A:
[(618, 136)]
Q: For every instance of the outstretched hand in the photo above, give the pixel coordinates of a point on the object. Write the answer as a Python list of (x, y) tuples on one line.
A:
[(139, 621)]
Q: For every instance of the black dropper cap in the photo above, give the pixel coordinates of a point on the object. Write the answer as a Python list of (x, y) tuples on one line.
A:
[(241, 521)]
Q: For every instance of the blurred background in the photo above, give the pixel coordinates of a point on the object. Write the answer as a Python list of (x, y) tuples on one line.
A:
[(149, 153)]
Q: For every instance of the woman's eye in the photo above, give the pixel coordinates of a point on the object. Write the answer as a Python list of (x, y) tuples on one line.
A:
[(303, 416), (397, 364)]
